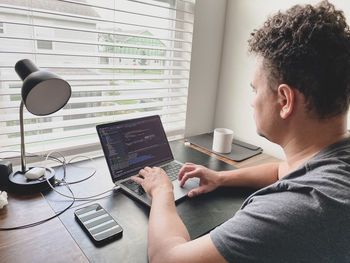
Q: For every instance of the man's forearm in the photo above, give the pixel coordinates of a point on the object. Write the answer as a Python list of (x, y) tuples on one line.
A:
[(255, 177), (165, 229)]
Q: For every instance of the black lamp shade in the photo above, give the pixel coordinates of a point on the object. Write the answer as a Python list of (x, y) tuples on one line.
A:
[(43, 92)]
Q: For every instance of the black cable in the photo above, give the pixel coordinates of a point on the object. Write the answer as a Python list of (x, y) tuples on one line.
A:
[(57, 182), (64, 163), (41, 221)]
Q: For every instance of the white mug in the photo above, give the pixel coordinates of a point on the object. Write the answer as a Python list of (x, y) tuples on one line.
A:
[(222, 141)]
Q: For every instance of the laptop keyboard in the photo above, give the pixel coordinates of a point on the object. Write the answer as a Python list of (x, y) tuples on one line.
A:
[(172, 169), (135, 187)]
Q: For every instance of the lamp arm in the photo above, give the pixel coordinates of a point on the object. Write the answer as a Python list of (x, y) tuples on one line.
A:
[(23, 152)]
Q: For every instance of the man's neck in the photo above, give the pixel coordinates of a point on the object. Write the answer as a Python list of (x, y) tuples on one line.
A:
[(312, 137)]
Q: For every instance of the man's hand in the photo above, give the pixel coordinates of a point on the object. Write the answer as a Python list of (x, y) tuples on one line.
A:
[(153, 180), (209, 179)]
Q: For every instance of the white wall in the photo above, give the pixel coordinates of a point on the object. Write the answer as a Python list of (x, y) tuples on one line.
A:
[(207, 42), (233, 101)]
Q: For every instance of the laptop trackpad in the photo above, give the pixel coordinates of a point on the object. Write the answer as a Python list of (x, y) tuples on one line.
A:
[(188, 186)]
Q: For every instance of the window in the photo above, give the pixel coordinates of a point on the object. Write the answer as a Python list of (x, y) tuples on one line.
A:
[(44, 36), (104, 60), (123, 59), (44, 44)]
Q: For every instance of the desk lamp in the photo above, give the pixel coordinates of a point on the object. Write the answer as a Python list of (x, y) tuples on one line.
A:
[(43, 93)]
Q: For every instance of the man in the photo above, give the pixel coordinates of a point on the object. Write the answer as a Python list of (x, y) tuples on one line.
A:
[(302, 211)]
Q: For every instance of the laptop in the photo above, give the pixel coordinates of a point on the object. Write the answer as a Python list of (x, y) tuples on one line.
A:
[(131, 145)]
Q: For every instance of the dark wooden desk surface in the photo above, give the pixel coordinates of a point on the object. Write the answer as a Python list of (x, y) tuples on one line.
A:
[(51, 242)]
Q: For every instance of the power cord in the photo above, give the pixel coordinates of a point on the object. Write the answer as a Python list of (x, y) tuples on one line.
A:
[(69, 162), (41, 221), (59, 182), (64, 165)]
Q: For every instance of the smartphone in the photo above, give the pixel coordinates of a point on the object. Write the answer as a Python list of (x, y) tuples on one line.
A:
[(98, 223)]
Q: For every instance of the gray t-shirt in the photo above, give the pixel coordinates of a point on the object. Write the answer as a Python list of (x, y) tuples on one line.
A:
[(304, 217)]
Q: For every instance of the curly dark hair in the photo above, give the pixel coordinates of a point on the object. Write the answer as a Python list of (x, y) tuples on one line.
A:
[(308, 48)]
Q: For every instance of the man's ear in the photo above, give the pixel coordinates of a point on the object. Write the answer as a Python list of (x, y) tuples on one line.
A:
[(286, 97)]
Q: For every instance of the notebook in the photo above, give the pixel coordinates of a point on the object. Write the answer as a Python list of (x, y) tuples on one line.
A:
[(131, 145)]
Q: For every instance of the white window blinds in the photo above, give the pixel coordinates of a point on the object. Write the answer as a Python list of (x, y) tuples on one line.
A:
[(123, 59)]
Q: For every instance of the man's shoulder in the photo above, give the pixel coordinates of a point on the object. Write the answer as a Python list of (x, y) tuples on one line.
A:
[(337, 151), (329, 170), (323, 170), (317, 187)]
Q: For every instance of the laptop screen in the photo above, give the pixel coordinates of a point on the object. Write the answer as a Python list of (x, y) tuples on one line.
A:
[(133, 144)]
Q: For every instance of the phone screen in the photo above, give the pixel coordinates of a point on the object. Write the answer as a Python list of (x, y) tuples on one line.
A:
[(98, 223)]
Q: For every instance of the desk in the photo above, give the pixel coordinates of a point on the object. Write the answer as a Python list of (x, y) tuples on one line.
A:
[(54, 242)]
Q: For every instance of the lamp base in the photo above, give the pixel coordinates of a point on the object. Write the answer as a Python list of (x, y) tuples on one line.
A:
[(19, 184)]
